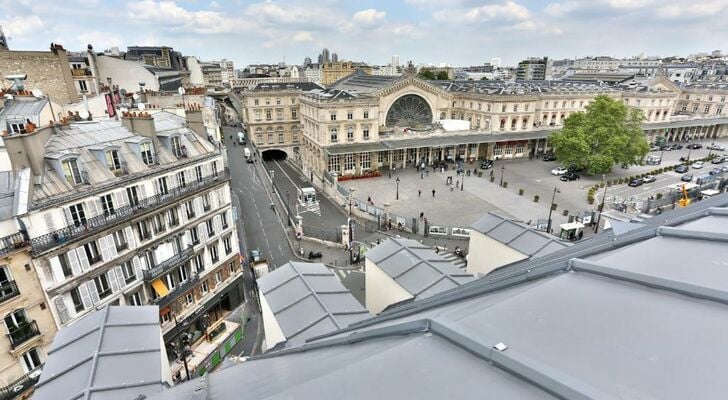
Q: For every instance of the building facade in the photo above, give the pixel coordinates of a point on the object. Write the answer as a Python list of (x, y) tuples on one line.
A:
[(49, 71), (131, 212), (534, 69), (333, 71)]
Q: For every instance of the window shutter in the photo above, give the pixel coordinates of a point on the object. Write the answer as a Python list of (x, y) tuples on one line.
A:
[(103, 245), (57, 271), (202, 232), (67, 215), (48, 218), (182, 214), (129, 233), (218, 224), (120, 200), (111, 245), (111, 274), (93, 291), (142, 192), (214, 199), (61, 309), (74, 262), (120, 276), (89, 207), (187, 239), (99, 207), (198, 206), (137, 267), (83, 290)]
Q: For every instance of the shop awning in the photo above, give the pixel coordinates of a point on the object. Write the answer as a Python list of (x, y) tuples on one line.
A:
[(160, 287)]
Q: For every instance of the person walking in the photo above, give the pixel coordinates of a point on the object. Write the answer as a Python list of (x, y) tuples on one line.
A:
[(419, 192), (433, 192)]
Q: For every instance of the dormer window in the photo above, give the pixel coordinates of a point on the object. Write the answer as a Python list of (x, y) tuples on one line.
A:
[(177, 149), (112, 160), (147, 153), (71, 171), (17, 127)]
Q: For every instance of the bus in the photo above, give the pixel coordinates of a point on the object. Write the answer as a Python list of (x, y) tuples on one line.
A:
[(306, 195)]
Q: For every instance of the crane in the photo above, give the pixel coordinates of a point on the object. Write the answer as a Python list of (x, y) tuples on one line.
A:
[(685, 201)]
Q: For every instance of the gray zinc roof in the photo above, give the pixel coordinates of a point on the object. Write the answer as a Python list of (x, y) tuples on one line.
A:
[(308, 300), (640, 315), (114, 353), (517, 236), (416, 267)]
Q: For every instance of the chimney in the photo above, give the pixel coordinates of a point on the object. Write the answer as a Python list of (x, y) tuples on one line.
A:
[(140, 123), (27, 150), (193, 115)]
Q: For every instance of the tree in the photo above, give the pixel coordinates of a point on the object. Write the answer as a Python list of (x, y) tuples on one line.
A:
[(427, 74), (660, 141), (442, 76), (608, 133)]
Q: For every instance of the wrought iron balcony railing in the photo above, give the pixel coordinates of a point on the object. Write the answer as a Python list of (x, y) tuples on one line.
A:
[(8, 290), (168, 264), (20, 385), (22, 333), (11, 242), (93, 225)]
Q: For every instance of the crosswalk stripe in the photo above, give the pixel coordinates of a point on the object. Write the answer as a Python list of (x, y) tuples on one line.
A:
[(457, 261)]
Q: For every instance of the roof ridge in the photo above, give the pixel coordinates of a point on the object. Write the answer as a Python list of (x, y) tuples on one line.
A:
[(316, 296)]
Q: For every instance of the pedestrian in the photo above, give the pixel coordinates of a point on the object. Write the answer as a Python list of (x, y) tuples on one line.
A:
[(433, 192), (231, 137), (419, 192), (422, 215), (442, 170), (452, 187), (457, 184), (491, 173)]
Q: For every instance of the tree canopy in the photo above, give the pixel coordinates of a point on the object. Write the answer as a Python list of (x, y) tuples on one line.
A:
[(442, 76), (427, 74), (608, 133)]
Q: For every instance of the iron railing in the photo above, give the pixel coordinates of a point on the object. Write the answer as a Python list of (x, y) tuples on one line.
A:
[(8, 290), (20, 385), (22, 333), (12, 242), (168, 264), (178, 291), (98, 223)]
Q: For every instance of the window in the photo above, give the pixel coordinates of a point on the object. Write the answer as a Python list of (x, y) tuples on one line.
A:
[(270, 137), (350, 134), (162, 185), (194, 236), (231, 268), (78, 215), (366, 114), (190, 210), (31, 360), (334, 135), (256, 102), (350, 115), (267, 102), (198, 263), (365, 133), (198, 173), (515, 108), (147, 153), (204, 288), (92, 252), (102, 285), (128, 269), (181, 181), (131, 193), (83, 86), (71, 171), (707, 109), (695, 107), (228, 246), (77, 302), (112, 160), (293, 101), (366, 162), (158, 221), (525, 107), (17, 127), (218, 276), (176, 147), (173, 216), (257, 115), (503, 108), (294, 114), (107, 204), (268, 115), (563, 104), (143, 230), (120, 240), (718, 110), (206, 202), (166, 317), (349, 162), (334, 163), (182, 274), (223, 219), (214, 257), (189, 298), (280, 138), (497, 149), (210, 228), (67, 271), (214, 168), (333, 116), (279, 114), (519, 148), (135, 299)]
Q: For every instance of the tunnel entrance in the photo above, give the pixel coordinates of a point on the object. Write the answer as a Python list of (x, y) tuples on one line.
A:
[(273, 154)]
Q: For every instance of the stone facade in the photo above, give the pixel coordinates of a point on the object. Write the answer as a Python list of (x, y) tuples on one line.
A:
[(332, 72), (49, 71)]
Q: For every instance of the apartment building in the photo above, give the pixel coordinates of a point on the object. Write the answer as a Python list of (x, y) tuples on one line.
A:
[(130, 212), (704, 99)]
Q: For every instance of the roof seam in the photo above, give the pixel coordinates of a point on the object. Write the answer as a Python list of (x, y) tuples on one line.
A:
[(95, 359), (316, 296)]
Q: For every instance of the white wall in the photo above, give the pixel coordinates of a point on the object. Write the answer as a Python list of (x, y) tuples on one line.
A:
[(125, 74), (96, 106), (487, 254), (273, 332), (196, 78), (381, 289)]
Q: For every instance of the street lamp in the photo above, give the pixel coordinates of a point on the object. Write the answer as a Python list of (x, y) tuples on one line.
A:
[(397, 188), (182, 346), (503, 169), (551, 208), (462, 184), (601, 205)]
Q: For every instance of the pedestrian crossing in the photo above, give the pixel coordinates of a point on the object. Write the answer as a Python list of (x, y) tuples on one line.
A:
[(313, 208), (458, 261)]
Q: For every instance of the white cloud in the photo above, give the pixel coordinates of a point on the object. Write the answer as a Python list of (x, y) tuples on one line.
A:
[(22, 26), (98, 39), (214, 5), (505, 12), (302, 36), (369, 16), (693, 10), (169, 14)]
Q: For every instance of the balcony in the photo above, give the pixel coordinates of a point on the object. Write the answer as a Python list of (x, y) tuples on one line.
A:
[(8, 290), (178, 291), (99, 223), (20, 385), (80, 72), (13, 242), (22, 333), (168, 264)]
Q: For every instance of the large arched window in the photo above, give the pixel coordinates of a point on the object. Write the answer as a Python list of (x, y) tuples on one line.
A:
[(409, 110)]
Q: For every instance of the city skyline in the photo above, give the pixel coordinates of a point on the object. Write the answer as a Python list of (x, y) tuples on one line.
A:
[(250, 32)]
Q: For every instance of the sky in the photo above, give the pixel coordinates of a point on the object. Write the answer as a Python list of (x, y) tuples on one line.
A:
[(457, 32)]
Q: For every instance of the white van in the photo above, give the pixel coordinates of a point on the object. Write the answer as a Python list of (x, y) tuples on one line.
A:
[(246, 152)]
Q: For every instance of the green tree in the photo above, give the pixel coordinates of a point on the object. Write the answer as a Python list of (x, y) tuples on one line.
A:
[(427, 74), (485, 78), (660, 141), (608, 133), (442, 76)]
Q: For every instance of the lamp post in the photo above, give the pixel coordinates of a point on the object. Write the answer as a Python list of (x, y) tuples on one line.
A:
[(551, 208), (503, 169), (462, 184), (182, 347), (397, 188), (601, 205)]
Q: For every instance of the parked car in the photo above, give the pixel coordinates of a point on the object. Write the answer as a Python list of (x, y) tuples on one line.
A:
[(724, 169), (681, 169), (549, 157), (695, 146), (654, 148), (717, 147), (485, 164), (714, 171), (255, 256), (666, 148), (559, 171), (698, 164), (570, 176), (677, 146), (635, 182), (687, 178), (717, 160), (648, 179)]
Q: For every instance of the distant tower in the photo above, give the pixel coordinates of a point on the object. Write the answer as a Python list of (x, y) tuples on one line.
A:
[(395, 60), (3, 40), (495, 62), (334, 57), (306, 62), (321, 59), (325, 56)]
